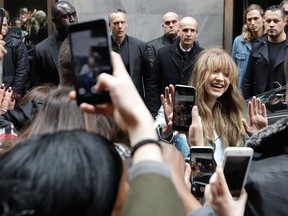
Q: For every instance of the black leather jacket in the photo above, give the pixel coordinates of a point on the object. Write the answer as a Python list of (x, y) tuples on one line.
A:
[(268, 177), (15, 63)]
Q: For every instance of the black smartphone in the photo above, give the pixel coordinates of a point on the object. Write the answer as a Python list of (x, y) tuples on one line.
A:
[(91, 55), (2, 14), (236, 165), (202, 166), (184, 100)]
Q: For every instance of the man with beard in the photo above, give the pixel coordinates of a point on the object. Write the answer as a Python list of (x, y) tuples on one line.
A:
[(266, 61)]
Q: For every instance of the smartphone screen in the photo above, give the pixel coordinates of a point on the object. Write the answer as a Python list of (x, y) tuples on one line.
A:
[(184, 99), (236, 167), (91, 55), (202, 166)]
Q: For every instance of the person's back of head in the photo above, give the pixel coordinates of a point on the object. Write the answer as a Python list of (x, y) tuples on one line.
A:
[(41, 17), (66, 75), (65, 173)]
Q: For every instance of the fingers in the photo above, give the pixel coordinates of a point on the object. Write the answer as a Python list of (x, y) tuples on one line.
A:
[(11, 104), (222, 184), (72, 95), (2, 92), (243, 197), (263, 110), (187, 176), (7, 98)]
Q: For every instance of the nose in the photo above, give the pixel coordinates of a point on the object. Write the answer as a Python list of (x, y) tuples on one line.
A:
[(220, 76), (72, 18)]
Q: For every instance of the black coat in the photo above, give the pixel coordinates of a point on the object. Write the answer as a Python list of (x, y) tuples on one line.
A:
[(267, 182), (45, 61), (256, 76), (169, 68), (154, 45), (15, 63)]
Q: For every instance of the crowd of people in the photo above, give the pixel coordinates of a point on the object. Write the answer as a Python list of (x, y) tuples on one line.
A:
[(123, 157)]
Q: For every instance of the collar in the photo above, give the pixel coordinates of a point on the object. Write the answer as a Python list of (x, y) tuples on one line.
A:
[(183, 50)]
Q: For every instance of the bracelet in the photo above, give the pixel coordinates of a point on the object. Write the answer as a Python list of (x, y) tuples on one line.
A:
[(142, 143)]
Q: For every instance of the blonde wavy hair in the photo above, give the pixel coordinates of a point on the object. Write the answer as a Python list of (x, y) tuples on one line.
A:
[(228, 111)]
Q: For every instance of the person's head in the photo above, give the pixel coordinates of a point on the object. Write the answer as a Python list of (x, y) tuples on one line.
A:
[(188, 32), (66, 76), (63, 14), (38, 93), (5, 27), (217, 95), (16, 22), (41, 17), (118, 23), (284, 4), (55, 115), (253, 16), (274, 20), (23, 14), (61, 173), (170, 23)]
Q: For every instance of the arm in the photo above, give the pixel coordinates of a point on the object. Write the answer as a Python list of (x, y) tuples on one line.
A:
[(218, 196), (131, 115), (22, 68), (247, 90), (153, 83)]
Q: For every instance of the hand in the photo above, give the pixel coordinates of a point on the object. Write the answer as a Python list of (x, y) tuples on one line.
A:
[(195, 134), (181, 174), (218, 196), (257, 117), (126, 108), (7, 102), (167, 103)]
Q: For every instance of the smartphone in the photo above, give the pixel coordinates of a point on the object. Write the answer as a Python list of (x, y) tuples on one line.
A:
[(2, 14), (91, 55), (202, 166), (236, 165), (184, 100)]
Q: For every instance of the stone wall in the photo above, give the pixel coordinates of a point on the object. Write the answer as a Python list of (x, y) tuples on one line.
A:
[(145, 16)]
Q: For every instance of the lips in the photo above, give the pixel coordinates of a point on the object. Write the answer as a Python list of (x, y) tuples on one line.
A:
[(217, 85)]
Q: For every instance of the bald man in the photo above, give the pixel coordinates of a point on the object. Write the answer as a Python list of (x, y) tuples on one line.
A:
[(170, 23), (174, 63)]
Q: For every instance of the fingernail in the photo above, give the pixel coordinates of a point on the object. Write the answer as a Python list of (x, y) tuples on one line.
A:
[(12, 99), (2, 86), (9, 89)]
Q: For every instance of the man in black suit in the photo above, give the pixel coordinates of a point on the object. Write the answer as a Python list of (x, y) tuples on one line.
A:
[(133, 51), (174, 63), (170, 23), (45, 60)]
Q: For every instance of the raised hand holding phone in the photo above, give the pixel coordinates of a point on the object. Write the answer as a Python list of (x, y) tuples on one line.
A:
[(184, 100), (91, 56), (236, 165)]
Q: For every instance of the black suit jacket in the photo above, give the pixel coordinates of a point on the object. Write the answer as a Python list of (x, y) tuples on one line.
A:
[(257, 73), (169, 68), (45, 62), (154, 45), (139, 66)]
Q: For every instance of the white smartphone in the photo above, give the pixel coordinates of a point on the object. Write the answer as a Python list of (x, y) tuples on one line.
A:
[(236, 165), (202, 166)]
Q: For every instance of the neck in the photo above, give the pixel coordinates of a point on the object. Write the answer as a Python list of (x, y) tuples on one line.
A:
[(258, 33), (118, 40), (281, 37), (185, 48)]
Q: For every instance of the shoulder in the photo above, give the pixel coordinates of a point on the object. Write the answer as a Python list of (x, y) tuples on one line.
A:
[(136, 40), (43, 44), (155, 41)]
